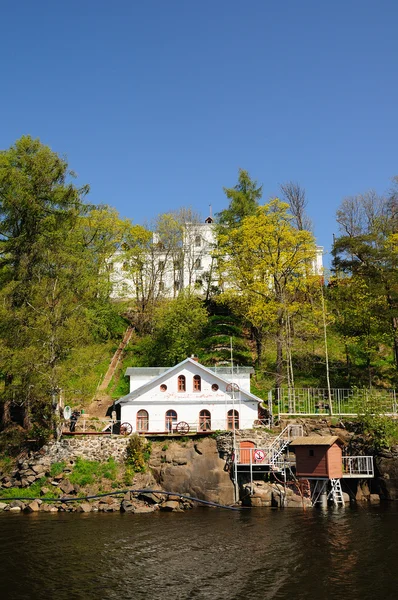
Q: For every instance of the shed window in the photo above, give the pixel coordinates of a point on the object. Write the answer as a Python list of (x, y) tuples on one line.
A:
[(204, 420), (163, 387), (181, 383), (142, 420), (232, 419), (171, 419), (197, 383), (214, 387)]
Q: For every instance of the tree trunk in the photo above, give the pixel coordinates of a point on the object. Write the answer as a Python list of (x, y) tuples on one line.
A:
[(6, 417)]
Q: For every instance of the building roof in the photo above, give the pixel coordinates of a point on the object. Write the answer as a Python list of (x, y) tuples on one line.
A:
[(156, 380), (221, 370), (151, 371), (316, 440)]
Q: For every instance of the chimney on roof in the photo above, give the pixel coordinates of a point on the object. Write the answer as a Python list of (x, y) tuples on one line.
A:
[(194, 357)]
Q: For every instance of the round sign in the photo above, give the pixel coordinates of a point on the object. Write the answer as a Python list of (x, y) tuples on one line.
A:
[(67, 412), (259, 455)]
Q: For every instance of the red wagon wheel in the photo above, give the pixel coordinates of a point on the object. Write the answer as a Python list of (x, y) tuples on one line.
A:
[(126, 428), (182, 427)]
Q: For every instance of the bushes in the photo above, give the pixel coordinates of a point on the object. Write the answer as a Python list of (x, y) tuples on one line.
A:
[(138, 453), (381, 430)]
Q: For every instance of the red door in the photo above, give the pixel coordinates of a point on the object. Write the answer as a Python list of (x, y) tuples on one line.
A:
[(246, 452)]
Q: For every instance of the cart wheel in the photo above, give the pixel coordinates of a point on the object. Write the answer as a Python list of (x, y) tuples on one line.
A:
[(182, 427), (126, 429)]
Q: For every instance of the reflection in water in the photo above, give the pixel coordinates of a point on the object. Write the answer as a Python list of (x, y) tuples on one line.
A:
[(202, 554)]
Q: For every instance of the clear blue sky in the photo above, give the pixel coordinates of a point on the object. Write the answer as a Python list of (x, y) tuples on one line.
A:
[(157, 104)]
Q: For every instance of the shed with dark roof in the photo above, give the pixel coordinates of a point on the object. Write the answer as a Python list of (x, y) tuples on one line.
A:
[(319, 456)]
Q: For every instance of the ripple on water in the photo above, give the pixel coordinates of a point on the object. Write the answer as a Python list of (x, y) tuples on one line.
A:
[(201, 554)]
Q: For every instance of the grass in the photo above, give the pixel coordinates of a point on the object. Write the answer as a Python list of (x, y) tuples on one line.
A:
[(32, 491), (88, 472), (6, 464), (57, 468)]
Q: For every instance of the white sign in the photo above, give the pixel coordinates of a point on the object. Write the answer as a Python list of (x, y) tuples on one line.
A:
[(259, 455)]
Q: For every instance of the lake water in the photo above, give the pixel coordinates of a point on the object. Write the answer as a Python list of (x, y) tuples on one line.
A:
[(201, 554)]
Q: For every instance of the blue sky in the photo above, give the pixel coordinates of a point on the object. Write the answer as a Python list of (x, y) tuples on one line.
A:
[(157, 104)]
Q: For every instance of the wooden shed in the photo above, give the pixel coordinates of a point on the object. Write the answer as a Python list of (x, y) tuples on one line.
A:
[(319, 456)]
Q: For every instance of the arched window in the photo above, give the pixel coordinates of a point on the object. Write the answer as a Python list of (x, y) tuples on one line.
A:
[(171, 420), (204, 420), (142, 420), (197, 383), (181, 383), (232, 419)]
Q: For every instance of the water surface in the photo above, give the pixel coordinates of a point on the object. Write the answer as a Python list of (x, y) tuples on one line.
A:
[(201, 554)]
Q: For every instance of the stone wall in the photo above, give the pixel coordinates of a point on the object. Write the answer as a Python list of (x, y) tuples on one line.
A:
[(91, 448)]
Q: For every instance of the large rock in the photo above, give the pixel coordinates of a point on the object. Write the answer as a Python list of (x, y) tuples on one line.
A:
[(170, 505), (386, 464), (143, 509), (127, 506), (67, 487), (39, 470), (84, 507), (32, 507), (193, 469)]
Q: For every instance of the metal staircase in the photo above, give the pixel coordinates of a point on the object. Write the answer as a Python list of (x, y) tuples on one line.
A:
[(279, 445)]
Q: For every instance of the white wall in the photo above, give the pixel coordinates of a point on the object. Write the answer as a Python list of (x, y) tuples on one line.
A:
[(188, 404)]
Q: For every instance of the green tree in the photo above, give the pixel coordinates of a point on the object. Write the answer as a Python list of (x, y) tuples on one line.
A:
[(177, 331), (243, 200), (367, 251), (50, 274)]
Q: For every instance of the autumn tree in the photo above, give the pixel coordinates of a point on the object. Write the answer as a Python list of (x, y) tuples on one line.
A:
[(294, 195), (268, 261)]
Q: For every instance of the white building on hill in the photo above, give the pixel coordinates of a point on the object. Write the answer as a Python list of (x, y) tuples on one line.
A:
[(189, 397), (167, 271)]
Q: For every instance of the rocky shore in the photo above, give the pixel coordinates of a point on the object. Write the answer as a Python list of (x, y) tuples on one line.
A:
[(127, 503)]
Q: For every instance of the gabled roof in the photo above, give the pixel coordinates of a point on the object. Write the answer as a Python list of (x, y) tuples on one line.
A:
[(316, 440), (156, 380)]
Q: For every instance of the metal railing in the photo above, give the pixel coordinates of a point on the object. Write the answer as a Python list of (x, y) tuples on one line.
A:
[(91, 425), (354, 466), (316, 401)]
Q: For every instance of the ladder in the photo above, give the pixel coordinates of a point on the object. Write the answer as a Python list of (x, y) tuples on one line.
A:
[(336, 493)]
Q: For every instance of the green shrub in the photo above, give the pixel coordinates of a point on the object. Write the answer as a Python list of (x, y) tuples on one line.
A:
[(138, 453), (381, 429), (41, 435), (128, 476)]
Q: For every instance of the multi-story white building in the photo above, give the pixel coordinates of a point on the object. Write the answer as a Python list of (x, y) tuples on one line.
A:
[(164, 271)]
